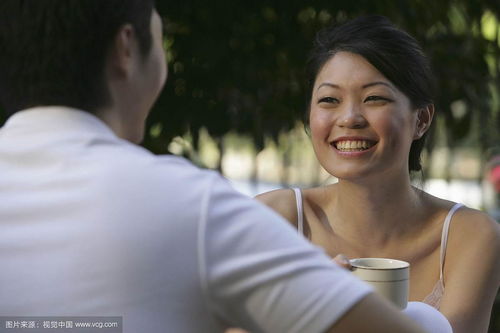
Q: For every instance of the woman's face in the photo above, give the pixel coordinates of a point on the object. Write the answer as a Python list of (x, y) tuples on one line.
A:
[(361, 124)]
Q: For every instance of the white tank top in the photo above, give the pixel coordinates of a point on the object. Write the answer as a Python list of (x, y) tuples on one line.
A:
[(434, 298)]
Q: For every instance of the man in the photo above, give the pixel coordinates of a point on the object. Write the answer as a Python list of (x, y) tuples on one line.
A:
[(93, 225)]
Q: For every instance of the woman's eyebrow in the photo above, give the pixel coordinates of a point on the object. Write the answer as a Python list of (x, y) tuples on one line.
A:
[(371, 84), (328, 84), (368, 85)]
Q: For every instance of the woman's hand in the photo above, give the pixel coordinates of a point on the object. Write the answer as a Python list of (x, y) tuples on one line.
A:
[(343, 261)]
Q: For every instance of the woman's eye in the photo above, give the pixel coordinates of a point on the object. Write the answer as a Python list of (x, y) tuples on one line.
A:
[(330, 100), (376, 99)]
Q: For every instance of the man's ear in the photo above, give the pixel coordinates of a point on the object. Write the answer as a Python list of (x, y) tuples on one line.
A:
[(122, 52), (424, 120)]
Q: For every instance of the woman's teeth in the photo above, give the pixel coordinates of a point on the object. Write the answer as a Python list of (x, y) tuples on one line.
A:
[(353, 145)]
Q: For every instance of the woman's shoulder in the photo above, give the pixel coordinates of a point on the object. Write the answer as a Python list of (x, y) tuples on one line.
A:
[(471, 269), (471, 233), (476, 228), (467, 224), (282, 201)]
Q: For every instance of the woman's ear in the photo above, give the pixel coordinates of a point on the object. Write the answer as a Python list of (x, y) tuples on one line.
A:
[(424, 120)]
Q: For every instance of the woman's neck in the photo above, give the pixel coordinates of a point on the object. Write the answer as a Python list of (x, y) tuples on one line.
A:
[(377, 212)]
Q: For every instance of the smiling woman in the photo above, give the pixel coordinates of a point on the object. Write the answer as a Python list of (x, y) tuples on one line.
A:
[(356, 115), (370, 107)]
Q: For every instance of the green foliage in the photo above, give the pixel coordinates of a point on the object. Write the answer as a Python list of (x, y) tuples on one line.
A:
[(240, 65), (3, 117)]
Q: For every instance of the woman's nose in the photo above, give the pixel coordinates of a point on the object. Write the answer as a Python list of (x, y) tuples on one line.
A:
[(352, 117)]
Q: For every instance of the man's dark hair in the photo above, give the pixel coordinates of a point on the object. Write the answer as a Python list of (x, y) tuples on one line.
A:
[(53, 52), (393, 52)]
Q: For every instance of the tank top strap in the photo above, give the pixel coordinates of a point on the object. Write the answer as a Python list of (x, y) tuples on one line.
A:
[(300, 211), (444, 237)]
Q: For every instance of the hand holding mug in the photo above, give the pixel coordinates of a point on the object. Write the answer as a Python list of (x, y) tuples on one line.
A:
[(343, 261)]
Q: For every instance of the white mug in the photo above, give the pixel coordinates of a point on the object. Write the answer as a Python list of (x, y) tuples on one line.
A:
[(389, 277)]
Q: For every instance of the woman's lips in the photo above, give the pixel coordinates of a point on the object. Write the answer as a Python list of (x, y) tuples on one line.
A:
[(353, 146)]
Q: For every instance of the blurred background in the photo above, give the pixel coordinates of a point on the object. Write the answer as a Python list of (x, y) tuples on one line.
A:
[(235, 98)]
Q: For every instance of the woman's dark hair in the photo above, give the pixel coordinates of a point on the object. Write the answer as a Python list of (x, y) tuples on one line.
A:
[(53, 52), (393, 52)]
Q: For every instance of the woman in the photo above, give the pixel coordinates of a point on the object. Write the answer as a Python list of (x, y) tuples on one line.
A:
[(369, 112)]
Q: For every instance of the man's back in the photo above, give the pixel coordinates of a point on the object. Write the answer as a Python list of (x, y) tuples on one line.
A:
[(92, 225)]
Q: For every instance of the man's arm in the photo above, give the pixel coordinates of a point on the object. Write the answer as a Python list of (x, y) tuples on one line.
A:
[(374, 314), (258, 274)]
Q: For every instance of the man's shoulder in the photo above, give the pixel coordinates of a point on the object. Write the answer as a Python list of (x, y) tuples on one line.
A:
[(165, 185), (137, 162), (130, 156), (139, 167)]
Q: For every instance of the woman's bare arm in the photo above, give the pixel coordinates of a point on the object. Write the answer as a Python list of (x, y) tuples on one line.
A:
[(472, 271)]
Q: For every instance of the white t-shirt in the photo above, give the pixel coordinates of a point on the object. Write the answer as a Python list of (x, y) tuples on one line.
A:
[(92, 225)]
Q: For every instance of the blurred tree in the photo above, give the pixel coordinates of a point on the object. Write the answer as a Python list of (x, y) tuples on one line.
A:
[(240, 65), (3, 117)]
